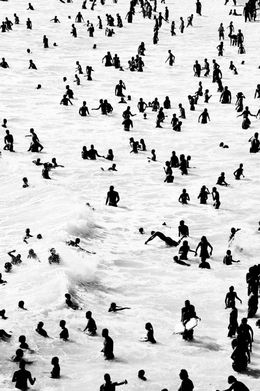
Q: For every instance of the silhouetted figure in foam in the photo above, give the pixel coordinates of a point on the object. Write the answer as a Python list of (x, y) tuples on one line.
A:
[(108, 345), (204, 245), (114, 308), (186, 384), (55, 372), (187, 313), (231, 297), (40, 330), (91, 327), (109, 385), (169, 241), (112, 197), (22, 376)]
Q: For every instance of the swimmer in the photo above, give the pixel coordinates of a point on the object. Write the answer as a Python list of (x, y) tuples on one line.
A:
[(177, 260), (21, 305), (108, 385), (232, 234), (16, 259), (184, 250), (27, 235), (150, 334), (169, 241), (37, 162), (228, 260), (231, 297), (54, 257), (239, 172), (54, 163), (55, 373), (70, 303), (4, 336), (33, 255), (1, 280), (21, 377), (112, 168), (46, 170), (25, 182), (23, 343), (8, 267), (75, 243), (40, 330), (141, 374), (114, 308), (64, 334), (108, 345), (183, 230), (222, 145), (112, 197), (18, 357), (2, 314), (91, 326)]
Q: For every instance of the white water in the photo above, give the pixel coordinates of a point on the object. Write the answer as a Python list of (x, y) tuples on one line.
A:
[(124, 270)]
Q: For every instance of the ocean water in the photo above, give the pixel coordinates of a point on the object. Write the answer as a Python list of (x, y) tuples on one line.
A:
[(124, 269)]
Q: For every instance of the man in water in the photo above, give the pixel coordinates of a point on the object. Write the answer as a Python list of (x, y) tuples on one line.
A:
[(112, 197), (236, 385), (169, 241), (75, 243), (22, 376)]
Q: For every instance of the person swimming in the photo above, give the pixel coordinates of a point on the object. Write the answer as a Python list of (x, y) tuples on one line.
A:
[(169, 241), (70, 303), (114, 308), (40, 330)]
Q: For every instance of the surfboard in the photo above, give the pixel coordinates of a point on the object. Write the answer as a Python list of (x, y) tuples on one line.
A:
[(179, 328)]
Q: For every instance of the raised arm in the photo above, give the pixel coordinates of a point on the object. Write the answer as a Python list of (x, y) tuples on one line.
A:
[(151, 238)]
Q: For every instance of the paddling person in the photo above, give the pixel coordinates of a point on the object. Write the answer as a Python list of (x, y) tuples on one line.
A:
[(114, 308), (75, 243), (169, 241), (112, 197)]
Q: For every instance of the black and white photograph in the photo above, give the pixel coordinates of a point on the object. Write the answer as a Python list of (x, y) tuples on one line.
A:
[(130, 195)]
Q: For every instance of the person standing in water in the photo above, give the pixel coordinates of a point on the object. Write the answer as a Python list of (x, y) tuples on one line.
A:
[(112, 197), (22, 376), (109, 385)]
